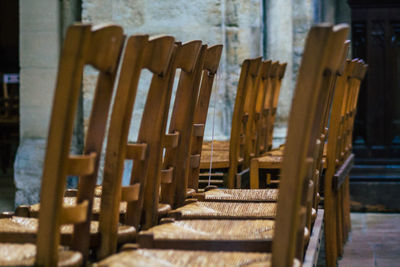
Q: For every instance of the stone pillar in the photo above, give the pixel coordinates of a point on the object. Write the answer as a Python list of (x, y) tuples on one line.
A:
[(279, 31), (39, 53)]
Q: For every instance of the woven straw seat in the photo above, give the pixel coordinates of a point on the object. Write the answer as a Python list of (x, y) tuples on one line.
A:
[(71, 201), (242, 195), (216, 145), (214, 230), (270, 162), (225, 210), (211, 235), (99, 188), (276, 152), (155, 257), (23, 230), (24, 255), (220, 159), (273, 160)]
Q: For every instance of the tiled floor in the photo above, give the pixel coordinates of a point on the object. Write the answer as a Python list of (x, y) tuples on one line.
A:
[(374, 241)]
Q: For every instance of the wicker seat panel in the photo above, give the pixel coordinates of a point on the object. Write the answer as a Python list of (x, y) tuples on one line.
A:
[(214, 230), (245, 195), (71, 201), (24, 255), (99, 189), (226, 210), (216, 145), (23, 230), (270, 159), (217, 155), (277, 152), (220, 159), (165, 257)]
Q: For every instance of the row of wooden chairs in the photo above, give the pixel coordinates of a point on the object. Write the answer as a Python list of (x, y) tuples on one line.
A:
[(252, 122), (334, 157), (195, 229)]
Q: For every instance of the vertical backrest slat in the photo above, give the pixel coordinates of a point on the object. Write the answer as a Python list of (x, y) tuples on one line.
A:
[(263, 92), (276, 83), (265, 112), (101, 48)]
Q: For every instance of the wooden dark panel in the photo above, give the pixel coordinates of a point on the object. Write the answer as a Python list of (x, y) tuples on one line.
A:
[(376, 39)]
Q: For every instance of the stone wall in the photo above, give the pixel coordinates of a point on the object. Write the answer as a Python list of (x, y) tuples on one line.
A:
[(234, 23), (237, 24)]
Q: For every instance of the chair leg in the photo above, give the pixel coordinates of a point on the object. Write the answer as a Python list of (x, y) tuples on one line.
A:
[(254, 175), (330, 230), (339, 222), (346, 205)]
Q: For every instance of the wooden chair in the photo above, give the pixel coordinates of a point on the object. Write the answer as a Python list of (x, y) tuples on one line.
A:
[(151, 140), (157, 55), (356, 81), (297, 170), (263, 92), (276, 87), (210, 67), (99, 47), (264, 111), (186, 119), (234, 158), (339, 161), (268, 195), (272, 160)]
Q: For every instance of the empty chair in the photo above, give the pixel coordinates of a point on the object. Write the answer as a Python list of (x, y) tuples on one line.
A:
[(99, 47), (234, 159)]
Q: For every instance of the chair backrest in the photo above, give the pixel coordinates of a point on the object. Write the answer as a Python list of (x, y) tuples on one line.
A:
[(248, 76), (263, 129), (338, 50), (355, 83), (211, 59), (327, 114), (320, 62), (185, 58), (249, 113), (99, 47), (264, 91), (140, 53), (277, 74), (177, 159)]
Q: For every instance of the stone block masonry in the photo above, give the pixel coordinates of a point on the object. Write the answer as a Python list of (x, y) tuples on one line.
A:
[(234, 23)]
